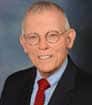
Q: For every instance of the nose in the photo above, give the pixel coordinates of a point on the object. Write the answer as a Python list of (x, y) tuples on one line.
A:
[(43, 44)]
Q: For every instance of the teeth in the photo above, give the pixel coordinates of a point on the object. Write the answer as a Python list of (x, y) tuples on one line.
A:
[(44, 56)]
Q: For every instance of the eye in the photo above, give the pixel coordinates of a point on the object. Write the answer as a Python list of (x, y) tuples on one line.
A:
[(32, 37), (52, 37)]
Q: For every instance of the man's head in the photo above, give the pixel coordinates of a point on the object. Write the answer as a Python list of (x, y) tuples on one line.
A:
[(46, 36)]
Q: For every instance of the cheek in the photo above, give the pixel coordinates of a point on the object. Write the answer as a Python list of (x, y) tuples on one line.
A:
[(60, 52), (31, 53), (61, 55), (61, 44), (60, 47)]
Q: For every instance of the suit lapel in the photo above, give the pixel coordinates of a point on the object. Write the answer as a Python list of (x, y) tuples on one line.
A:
[(28, 87), (64, 90)]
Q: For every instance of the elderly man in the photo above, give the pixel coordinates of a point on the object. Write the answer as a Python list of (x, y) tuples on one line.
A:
[(54, 80)]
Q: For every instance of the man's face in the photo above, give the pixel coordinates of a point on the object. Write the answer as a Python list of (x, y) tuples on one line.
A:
[(47, 57)]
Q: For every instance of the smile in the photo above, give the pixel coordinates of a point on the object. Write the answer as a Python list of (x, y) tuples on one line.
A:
[(44, 57)]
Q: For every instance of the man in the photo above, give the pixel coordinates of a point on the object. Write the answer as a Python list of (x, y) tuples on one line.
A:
[(46, 39)]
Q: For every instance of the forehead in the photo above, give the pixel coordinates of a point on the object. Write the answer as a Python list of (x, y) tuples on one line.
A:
[(46, 19)]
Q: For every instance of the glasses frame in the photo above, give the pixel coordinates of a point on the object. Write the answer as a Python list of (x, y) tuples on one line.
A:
[(59, 34)]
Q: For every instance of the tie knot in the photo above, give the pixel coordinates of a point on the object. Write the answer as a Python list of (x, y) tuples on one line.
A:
[(43, 84)]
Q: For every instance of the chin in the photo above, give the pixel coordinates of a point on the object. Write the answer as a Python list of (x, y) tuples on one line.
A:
[(47, 68)]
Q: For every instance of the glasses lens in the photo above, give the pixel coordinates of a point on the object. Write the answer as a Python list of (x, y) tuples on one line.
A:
[(52, 37), (32, 38)]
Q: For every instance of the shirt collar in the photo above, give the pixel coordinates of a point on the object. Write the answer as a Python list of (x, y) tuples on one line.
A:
[(54, 78)]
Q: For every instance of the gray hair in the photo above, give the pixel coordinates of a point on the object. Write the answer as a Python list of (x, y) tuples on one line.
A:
[(46, 5)]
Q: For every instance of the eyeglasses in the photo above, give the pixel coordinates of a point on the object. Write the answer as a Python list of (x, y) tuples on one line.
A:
[(51, 37)]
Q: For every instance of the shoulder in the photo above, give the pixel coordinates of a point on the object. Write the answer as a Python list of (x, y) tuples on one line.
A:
[(83, 88), (16, 83), (82, 91), (21, 76), (84, 79), (23, 73)]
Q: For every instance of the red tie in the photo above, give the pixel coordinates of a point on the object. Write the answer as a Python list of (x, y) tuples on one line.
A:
[(40, 96)]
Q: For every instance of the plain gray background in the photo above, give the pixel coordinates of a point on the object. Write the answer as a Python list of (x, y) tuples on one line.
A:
[(12, 57)]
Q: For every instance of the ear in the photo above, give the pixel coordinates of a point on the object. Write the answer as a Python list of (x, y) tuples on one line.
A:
[(71, 35), (23, 43)]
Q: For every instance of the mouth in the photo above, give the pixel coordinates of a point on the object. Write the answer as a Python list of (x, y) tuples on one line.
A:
[(44, 57)]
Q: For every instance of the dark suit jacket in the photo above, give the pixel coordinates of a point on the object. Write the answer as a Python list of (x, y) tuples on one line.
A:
[(74, 88)]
